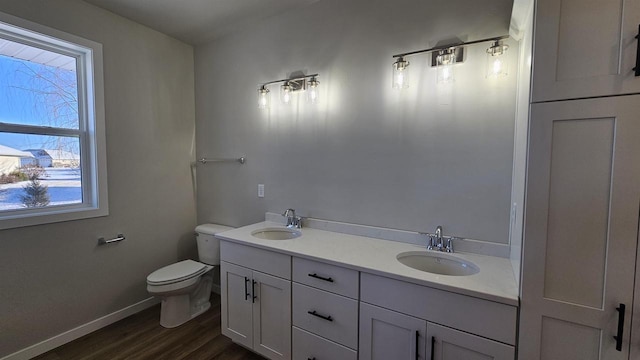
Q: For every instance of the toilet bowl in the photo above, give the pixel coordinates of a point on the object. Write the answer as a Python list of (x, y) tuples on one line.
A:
[(185, 287)]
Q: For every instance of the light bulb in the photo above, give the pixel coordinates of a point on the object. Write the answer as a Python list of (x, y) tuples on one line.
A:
[(263, 97), (496, 60), (285, 92), (312, 90), (497, 67), (400, 78)]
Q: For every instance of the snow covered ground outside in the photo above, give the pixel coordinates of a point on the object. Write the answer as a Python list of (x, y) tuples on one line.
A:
[(64, 188)]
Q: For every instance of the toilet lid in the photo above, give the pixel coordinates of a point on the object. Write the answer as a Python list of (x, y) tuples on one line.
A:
[(173, 273)]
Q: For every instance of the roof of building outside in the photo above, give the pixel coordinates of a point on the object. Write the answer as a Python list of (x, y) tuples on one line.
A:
[(55, 154), (7, 151)]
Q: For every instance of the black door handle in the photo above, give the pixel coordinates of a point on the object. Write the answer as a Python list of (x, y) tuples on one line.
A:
[(618, 337), (253, 290), (314, 313), (433, 347), (637, 68), (417, 344), (316, 276), (246, 291)]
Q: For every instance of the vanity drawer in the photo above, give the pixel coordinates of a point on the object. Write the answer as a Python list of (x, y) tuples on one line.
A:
[(327, 277), (309, 346), (265, 261), (329, 315)]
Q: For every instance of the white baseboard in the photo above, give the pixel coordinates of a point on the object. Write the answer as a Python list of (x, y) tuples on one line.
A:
[(82, 330)]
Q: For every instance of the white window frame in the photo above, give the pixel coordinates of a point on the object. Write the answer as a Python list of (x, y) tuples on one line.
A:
[(91, 132)]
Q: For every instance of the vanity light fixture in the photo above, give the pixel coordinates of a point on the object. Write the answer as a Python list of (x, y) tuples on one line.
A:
[(443, 58), (289, 88), (312, 89), (263, 97), (285, 93), (400, 74), (496, 59)]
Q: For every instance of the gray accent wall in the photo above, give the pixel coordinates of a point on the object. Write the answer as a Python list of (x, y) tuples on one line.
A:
[(431, 155), (53, 277)]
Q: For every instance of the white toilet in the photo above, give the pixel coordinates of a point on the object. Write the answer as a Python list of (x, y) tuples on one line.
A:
[(185, 287)]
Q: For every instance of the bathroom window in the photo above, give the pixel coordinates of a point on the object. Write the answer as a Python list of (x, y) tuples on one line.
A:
[(52, 141)]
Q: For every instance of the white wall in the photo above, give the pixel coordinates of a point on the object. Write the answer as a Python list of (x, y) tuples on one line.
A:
[(366, 154), (54, 277)]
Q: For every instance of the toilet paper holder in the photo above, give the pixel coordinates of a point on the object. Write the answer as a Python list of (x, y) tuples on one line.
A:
[(103, 241)]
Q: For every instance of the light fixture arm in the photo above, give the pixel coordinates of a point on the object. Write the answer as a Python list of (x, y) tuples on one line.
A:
[(444, 47), (290, 79)]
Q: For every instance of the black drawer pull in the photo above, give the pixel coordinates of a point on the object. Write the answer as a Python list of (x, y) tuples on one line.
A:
[(637, 68), (618, 337), (246, 291), (314, 313), (314, 275), (313, 358)]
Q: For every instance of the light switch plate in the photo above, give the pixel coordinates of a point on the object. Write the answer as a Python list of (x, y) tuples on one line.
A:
[(260, 190)]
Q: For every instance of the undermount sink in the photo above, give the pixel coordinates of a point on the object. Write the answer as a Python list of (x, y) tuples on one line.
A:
[(276, 233), (441, 264)]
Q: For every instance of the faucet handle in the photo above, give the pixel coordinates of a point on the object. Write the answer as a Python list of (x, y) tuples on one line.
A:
[(286, 212), (449, 247), (430, 243)]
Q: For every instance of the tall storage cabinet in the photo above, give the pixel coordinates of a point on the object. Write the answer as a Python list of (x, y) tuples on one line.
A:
[(583, 184), (585, 48), (581, 229)]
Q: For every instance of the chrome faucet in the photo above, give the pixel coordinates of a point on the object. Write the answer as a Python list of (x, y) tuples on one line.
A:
[(437, 241), (439, 237), (293, 221)]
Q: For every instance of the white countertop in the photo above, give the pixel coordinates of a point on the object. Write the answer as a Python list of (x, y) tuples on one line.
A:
[(494, 282)]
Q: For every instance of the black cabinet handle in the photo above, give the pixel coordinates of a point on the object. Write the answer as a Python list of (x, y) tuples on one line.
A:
[(618, 337), (314, 313), (637, 68), (433, 347), (253, 290), (313, 358), (246, 291), (316, 276), (417, 344)]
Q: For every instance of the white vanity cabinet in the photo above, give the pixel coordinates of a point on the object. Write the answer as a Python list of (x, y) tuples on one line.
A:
[(256, 299), (325, 311), (585, 49), (400, 320)]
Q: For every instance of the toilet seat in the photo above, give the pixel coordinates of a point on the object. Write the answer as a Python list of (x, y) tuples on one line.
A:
[(178, 272)]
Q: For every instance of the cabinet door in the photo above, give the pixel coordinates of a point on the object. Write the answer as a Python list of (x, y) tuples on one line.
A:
[(448, 344), (386, 334), (271, 316), (235, 283), (581, 227), (585, 48)]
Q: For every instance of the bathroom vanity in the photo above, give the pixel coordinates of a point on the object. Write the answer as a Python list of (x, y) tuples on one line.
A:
[(319, 294)]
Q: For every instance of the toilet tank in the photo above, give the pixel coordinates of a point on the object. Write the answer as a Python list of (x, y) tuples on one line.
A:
[(208, 245)]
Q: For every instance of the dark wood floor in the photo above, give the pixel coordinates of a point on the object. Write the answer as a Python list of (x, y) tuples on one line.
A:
[(140, 336)]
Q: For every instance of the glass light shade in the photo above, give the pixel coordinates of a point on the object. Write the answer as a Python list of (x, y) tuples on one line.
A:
[(312, 90), (444, 66), (497, 64), (400, 74), (264, 98), (285, 93)]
